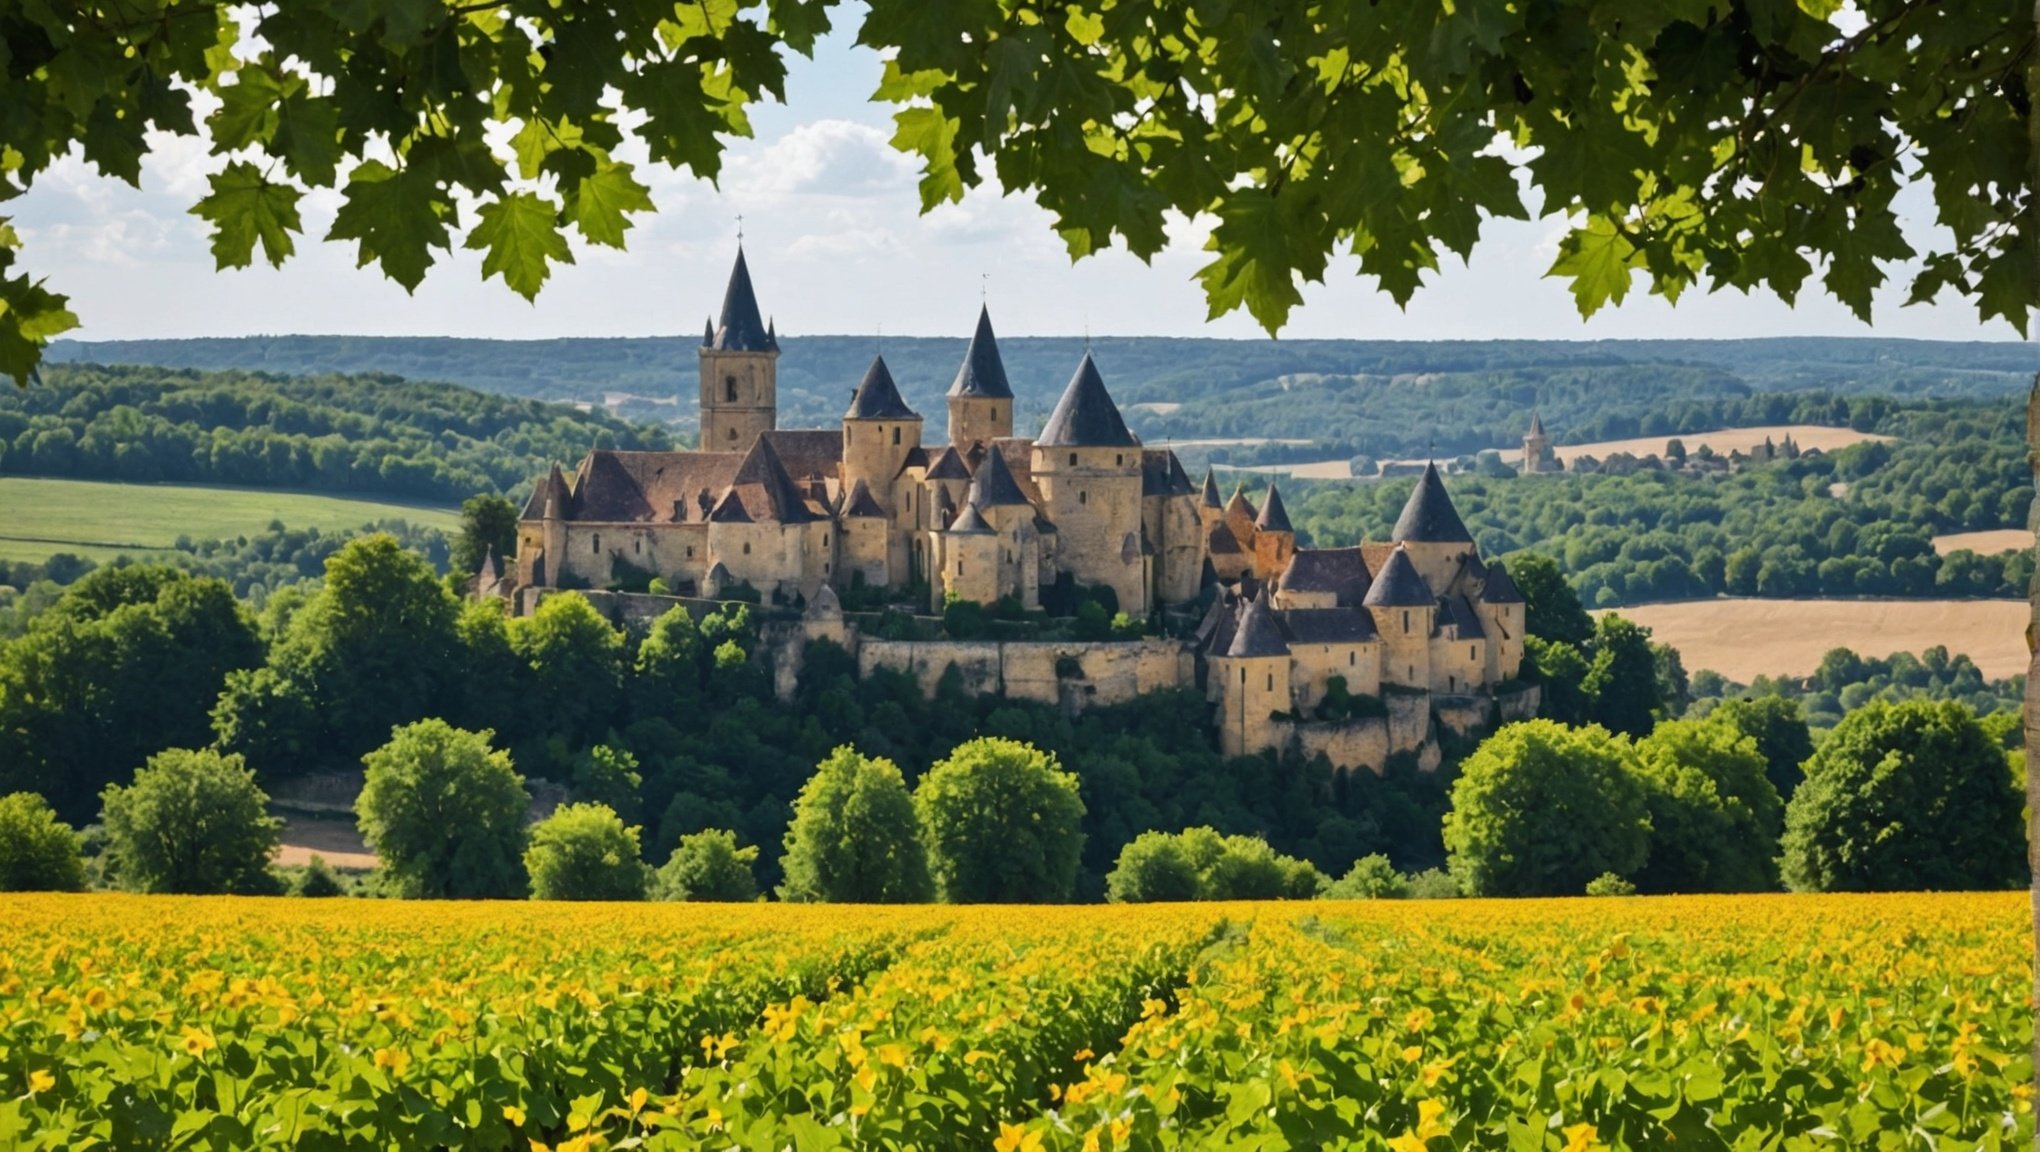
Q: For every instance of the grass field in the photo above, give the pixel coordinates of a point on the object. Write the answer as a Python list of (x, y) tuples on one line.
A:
[(1743, 639), (101, 520), (1985, 543), (1793, 1022)]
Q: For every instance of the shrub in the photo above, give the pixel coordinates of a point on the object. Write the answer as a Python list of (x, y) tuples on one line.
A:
[(1003, 824), (854, 837), (1540, 809), (192, 822), (585, 852), (445, 811), (1370, 878), (319, 880), (1154, 867), (1199, 864), (1609, 884), (962, 619), (38, 852), (708, 866), (1434, 884)]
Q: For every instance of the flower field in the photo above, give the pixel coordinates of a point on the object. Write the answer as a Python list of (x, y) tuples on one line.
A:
[(1695, 1022)]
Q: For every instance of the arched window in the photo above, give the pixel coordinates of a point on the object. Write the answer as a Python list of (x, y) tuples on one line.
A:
[(729, 389), (733, 433), (1073, 459)]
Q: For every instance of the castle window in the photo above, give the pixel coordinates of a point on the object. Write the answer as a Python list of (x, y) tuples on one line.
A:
[(825, 539), (1083, 498), (733, 433), (638, 546), (895, 435), (825, 567), (1472, 653), (747, 547), (595, 545), (1452, 683), (1405, 620), (1073, 459), (1351, 659), (1243, 677), (729, 389), (1119, 457), (1271, 681), (690, 553)]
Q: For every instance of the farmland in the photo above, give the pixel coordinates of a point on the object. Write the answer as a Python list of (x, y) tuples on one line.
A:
[(1746, 638), (1532, 1024), (100, 520)]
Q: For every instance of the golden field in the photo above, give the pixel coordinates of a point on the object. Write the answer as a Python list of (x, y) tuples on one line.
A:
[(1574, 1025), (1746, 638)]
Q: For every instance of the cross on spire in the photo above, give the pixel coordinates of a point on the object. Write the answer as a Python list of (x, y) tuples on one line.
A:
[(740, 227)]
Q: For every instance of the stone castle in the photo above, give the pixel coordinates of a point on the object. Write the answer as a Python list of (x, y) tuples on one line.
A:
[(1419, 625)]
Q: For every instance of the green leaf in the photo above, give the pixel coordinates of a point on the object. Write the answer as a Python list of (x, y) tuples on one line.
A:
[(29, 314), (1254, 267), (1599, 259), (521, 234), (245, 207), (247, 114), (599, 205), (932, 135), (397, 216)]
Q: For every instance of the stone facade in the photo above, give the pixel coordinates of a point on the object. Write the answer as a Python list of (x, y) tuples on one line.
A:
[(1288, 636)]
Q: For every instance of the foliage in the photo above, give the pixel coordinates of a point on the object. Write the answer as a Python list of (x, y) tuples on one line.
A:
[(488, 526), (1434, 884), (1903, 797), (1200, 864), (1715, 817), (1844, 682), (1552, 611), (1370, 878), (318, 880), (1003, 823), (445, 812), (38, 852), (708, 866), (191, 822), (126, 662), (572, 669), (1622, 677), (854, 837), (1609, 884), (1541, 809), (1781, 734), (584, 852)]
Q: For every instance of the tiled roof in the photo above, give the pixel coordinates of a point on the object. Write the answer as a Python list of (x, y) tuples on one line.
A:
[(1274, 517), (766, 491), (1161, 474), (1328, 626), (1085, 417), (1210, 494), (1222, 541), (994, 484), (1428, 517), (983, 373), (948, 466), (1500, 587), (742, 328), (1455, 610), (1398, 585), (970, 522), (659, 487), (1340, 571), (1258, 633), (861, 502), (808, 453), (878, 398)]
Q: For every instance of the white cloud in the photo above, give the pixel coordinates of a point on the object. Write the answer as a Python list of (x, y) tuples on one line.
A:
[(821, 158)]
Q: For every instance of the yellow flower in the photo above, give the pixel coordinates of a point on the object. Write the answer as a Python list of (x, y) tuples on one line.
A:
[(514, 1115), (40, 1081), (1435, 1069), (638, 1096), (1014, 1138), (1878, 1051), (1583, 1138), (198, 1042), (893, 1054)]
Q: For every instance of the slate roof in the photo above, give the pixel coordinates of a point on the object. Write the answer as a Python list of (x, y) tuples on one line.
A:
[(553, 486), (948, 466), (1019, 456), (1428, 517), (1222, 541), (1258, 633), (1398, 585), (970, 522), (1210, 495), (1340, 571), (878, 398), (983, 373), (1455, 610), (655, 487), (1085, 417), (764, 490), (1161, 474), (1328, 626), (808, 453), (1500, 587), (1274, 517), (861, 502), (742, 328), (994, 484)]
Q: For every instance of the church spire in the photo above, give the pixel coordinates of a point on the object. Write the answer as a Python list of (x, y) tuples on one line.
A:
[(983, 372), (742, 328)]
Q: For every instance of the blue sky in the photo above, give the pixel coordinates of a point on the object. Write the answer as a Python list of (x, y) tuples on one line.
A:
[(837, 245)]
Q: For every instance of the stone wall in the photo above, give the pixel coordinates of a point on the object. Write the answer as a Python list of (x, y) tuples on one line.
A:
[(1409, 720), (1520, 704), (1072, 674), (1347, 744), (1464, 715)]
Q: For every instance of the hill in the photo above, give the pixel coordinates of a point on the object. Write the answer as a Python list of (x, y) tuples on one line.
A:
[(1371, 397)]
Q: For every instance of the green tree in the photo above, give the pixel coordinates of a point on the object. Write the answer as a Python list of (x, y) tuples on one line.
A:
[(488, 523), (192, 822), (127, 662), (584, 852), (854, 838), (1782, 737), (38, 852), (1551, 609), (1560, 672), (445, 812), (1248, 869), (1540, 809), (573, 662), (318, 880), (1004, 824), (1370, 878), (1902, 797), (708, 866), (1714, 816), (1622, 679), (1155, 867), (665, 680)]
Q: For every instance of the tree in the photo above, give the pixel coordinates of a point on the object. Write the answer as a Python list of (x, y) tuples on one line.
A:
[(854, 838), (573, 661), (665, 681), (38, 852), (1540, 809), (1782, 737), (1199, 864), (445, 812), (318, 880), (584, 852), (1714, 816), (1155, 867), (1902, 797), (192, 822), (708, 866), (1560, 672), (1551, 609), (1003, 824), (1370, 878), (1622, 677), (488, 524)]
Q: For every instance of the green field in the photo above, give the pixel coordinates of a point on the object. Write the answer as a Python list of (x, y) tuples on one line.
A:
[(101, 520)]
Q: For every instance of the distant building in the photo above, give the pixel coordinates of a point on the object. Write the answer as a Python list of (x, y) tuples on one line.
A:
[(1537, 453)]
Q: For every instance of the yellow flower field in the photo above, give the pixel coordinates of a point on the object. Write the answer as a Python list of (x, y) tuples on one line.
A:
[(1694, 1022)]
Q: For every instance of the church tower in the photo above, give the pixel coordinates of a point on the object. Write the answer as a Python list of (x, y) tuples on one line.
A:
[(739, 370), (980, 401), (1537, 447)]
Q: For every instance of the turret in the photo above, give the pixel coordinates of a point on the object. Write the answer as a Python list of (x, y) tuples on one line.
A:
[(1403, 608), (1502, 615), (553, 500), (1253, 680), (879, 432), (1088, 467), (739, 370), (969, 562), (980, 400), (1431, 530), (1209, 507), (1274, 539), (1536, 446)]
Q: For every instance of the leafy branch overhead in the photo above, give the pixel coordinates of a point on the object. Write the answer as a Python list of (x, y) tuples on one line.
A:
[(1718, 143)]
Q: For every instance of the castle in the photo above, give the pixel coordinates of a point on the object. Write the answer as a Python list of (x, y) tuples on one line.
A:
[(800, 516)]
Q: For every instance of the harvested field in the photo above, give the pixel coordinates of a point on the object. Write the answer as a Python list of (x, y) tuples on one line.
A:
[(1985, 543), (1723, 441), (337, 840), (1744, 639)]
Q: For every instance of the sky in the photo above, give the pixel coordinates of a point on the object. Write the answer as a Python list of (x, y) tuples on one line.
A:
[(837, 245)]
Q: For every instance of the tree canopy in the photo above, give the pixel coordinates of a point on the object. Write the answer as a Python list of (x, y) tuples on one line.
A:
[(1541, 809), (1003, 823), (445, 811), (1716, 143), (193, 822)]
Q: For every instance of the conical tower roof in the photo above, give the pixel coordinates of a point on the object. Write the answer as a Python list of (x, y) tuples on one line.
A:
[(878, 398), (763, 488), (1258, 634), (549, 497), (1500, 587), (1210, 496), (1239, 507), (994, 484), (983, 373), (1085, 417), (1536, 424), (948, 465), (1399, 586), (742, 328), (1429, 517), (970, 522), (1274, 517)]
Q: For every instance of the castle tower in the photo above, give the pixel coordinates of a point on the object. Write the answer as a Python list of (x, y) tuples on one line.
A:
[(997, 498), (1253, 680), (980, 401), (969, 561), (1431, 530), (1274, 539), (1088, 467), (1537, 447), (1403, 608), (1502, 617), (879, 432), (739, 370), (1209, 507), (553, 499)]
